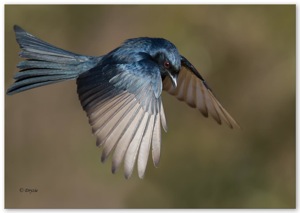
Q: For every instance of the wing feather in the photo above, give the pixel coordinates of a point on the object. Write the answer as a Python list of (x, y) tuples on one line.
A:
[(167, 86), (156, 141), (145, 147), (200, 98), (211, 106), (180, 88), (133, 148), (121, 148), (192, 89), (163, 117), (227, 117), (116, 127), (125, 111)]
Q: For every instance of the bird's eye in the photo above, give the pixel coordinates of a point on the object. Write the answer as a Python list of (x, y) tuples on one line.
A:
[(167, 64)]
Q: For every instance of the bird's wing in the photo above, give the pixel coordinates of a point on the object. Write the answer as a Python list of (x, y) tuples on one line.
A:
[(193, 89), (124, 107)]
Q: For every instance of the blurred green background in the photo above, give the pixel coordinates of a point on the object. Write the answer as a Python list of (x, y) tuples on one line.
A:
[(247, 55)]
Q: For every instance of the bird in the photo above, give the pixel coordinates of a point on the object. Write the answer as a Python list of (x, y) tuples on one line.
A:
[(121, 92)]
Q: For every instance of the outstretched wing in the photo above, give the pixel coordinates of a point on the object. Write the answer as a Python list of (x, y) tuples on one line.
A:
[(192, 89), (124, 107)]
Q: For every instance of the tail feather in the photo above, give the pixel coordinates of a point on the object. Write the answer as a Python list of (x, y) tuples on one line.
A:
[(30, 44), (48, 57), (46, 64), (29, 64), (38, 72), (37, 81)]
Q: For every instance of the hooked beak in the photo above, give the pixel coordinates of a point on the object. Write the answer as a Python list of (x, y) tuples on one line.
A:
[(173, 78)]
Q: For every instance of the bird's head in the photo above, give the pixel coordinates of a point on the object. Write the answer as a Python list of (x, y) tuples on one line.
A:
[(167, 57), (162, 51)]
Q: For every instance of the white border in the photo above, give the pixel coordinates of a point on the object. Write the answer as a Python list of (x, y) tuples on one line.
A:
[(131, 2)]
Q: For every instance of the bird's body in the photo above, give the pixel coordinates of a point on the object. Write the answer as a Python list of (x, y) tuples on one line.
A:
[(121, 91)]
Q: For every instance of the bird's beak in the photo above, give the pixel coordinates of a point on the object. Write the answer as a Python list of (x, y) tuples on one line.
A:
[(173, 78)]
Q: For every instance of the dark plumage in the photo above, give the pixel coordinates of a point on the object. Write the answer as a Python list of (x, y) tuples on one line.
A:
[(121, 91)]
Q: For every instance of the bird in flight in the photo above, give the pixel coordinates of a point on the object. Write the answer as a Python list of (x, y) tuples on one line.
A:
[(121, 92)]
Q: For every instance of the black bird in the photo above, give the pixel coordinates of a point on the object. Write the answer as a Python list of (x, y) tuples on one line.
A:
[(121, 91)]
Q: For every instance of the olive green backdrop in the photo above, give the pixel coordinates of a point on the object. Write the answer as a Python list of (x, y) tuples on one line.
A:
[(247, 55)]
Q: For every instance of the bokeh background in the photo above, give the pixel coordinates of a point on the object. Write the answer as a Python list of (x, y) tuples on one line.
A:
[(247, 55)]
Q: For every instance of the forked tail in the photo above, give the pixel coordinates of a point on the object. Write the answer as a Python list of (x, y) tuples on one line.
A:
[(46, 64)]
